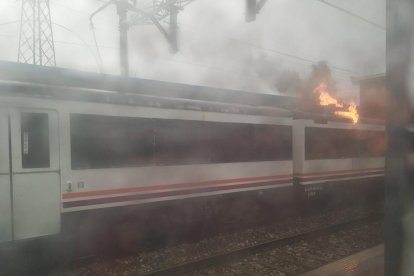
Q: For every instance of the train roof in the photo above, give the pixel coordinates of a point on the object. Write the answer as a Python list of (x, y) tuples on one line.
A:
[(27, 80), (17, 72)]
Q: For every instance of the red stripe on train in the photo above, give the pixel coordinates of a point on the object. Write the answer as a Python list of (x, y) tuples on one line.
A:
[(211, 182), (155, 195), (172, 186)]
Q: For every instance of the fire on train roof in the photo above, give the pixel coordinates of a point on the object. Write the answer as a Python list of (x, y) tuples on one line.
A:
[(27, 80)]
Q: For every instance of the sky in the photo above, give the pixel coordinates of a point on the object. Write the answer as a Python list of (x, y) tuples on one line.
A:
[(217, 47)]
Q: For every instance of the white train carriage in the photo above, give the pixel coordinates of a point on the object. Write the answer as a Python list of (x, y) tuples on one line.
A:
[(67, 149), (333, 153), (73, 144)]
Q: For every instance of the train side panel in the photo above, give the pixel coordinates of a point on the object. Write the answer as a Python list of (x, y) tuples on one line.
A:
[(329, 168)]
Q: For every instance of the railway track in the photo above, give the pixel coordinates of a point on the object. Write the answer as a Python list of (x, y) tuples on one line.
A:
[(225, 249), (226, 258)]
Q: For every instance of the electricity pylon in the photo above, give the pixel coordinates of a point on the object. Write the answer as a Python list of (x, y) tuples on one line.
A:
[(36, 45)]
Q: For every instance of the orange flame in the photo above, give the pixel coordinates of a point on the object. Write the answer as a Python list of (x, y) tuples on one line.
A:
[(352, 113), (326, 99)]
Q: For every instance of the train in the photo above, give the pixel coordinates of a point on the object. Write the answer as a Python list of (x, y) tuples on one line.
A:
[(77, 147)]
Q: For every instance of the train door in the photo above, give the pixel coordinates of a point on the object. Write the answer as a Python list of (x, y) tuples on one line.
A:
[(35, 173), (5, 187)]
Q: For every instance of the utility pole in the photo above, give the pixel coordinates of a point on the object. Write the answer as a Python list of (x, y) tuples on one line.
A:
[(159, 11), (173, 28), (253, 7), (122, 9), (36, 44)]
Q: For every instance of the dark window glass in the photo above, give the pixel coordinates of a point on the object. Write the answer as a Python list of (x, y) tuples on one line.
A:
[(329, 143), (181, 142), (231, 142), (35, 140), (370, 143), (272, 142), (104, 141)]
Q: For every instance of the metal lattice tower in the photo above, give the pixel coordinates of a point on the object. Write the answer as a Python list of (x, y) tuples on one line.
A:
[(36, 45)]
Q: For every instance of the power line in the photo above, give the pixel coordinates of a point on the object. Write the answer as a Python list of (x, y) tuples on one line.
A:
[(83, 41), (68, 42), (69, 8), (352, 14), (80, 12), (303, 59), (166, 59), (308, 60), (96, 44), (9, 22), (82, 45), (337, 68), (65, 42)]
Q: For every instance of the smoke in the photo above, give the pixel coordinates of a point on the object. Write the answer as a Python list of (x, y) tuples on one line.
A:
[(217, 47)]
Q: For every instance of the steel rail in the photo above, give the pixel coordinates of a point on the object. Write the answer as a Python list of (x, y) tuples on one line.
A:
[(227, 257)]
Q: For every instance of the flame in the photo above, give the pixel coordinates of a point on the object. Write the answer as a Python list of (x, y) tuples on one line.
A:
[(352, 113), (326, 99)]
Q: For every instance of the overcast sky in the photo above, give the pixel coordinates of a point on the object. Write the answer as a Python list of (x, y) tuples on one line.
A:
[(217, 47)]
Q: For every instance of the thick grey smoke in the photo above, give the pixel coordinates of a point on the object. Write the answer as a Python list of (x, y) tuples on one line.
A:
[(217, 47)]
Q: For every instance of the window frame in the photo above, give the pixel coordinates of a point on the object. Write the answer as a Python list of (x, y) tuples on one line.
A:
[(16, 134), (192, 161), (354, 151)]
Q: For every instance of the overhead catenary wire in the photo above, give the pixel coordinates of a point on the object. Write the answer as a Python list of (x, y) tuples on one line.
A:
[(92, 27), (195, 64), (9, 22), (100, 65), (83, 41), (308, 60), (353, 14), (289, 55), (338, 69)]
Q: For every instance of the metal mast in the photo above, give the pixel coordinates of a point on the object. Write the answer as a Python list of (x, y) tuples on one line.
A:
[(36, 45), (253, 7), (161, 13)]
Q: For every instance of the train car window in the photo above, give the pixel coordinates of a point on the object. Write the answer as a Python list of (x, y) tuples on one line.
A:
[(35, 140), (181, 142), (105, 142), (328, 143), (370, 143), (272, 143), (231, 142)]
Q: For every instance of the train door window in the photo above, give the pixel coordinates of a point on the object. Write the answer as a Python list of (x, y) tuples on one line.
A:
[(231, 142), (35, 140), (181, 142), (272, 142)]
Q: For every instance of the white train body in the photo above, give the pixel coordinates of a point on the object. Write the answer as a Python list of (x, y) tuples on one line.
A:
[(338, 166), (50, 162)]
